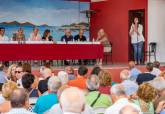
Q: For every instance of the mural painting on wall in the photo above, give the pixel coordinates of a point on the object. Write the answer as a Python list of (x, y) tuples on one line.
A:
[(55, 15)]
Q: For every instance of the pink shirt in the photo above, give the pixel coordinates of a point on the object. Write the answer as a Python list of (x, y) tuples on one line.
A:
[(105, 89), (35, 38)]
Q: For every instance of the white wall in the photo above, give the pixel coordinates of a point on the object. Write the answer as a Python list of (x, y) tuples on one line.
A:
[(156, 26)]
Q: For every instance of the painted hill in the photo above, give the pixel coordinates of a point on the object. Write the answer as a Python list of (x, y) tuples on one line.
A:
[(17, 23)]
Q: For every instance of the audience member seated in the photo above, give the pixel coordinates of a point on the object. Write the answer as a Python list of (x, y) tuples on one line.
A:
[(72, 101), (68, 36), (3, 76), (47, 35), (3, 37), (80, 80), (80, 36), (125, 75), (19, 73), (130, 88), (134, 72), (159, 105), (146, 94), (128, 109), (45, 102), (162, 74), (7, 90), (105, 82), (19, 35), (35, 36), (63, 76), (19, 102), (156, 68), (57, 108), (46, 73), (11, 72), (159, 84), (96, 70), (94, 98), (70, 72), (147, 76), (26, 68), (27, 81), (119, 99)]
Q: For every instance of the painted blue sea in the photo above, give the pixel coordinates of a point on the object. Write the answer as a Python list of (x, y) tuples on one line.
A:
[(56, 32)]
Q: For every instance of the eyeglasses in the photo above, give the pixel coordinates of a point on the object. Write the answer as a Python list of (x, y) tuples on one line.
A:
[(18, 72)]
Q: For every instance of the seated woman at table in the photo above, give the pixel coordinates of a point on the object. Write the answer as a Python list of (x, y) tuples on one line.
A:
[(19, 35), (68, 36), (102, 37), (35, 36), (47, 36), (80, 36)]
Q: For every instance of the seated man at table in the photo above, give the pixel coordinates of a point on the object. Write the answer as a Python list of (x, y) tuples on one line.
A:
[(68, 36), (80, 36), (3, 37)]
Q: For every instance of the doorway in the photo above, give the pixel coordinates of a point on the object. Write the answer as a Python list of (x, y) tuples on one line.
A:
[(140, 13)]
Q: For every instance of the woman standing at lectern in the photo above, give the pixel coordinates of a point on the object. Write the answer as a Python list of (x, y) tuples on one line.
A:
[(137, 39)]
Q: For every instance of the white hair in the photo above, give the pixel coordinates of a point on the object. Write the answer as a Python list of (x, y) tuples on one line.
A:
[(45, 72), (130, 109), (118, 90), (63, 76), (54, 84), (72, 100), (158, 83), (125, 75), (93, 82)]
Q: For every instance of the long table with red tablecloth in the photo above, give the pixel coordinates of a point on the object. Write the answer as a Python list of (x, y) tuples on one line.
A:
[(14, 52)]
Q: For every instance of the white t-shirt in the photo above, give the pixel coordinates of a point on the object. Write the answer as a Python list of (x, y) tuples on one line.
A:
[(135, 38), (3, 38), (118, 105), (156, 71)]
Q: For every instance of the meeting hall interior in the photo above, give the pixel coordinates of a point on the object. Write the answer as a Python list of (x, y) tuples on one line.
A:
[(82, 57)]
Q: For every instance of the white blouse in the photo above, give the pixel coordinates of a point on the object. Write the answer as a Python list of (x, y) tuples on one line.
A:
[(135, 38)]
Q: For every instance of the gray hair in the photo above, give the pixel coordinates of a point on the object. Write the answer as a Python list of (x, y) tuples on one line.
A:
[(158, 83), (63, 76), (54, 84), (129, 109), (92, 82), (125, 75), (118, 90), (18, 98), (72, 100)]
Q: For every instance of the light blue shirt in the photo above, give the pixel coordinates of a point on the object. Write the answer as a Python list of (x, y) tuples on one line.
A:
[(134, 73), (3, 77), (45, 102), (163, 111)]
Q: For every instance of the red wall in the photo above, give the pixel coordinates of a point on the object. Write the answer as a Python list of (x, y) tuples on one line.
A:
[(112, 16)]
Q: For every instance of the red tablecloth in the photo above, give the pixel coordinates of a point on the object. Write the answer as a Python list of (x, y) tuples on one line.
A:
[(13, 52)]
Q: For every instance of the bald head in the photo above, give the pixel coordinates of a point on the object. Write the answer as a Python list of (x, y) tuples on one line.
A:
[(18, 98), (129, 109), (72, 100)]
